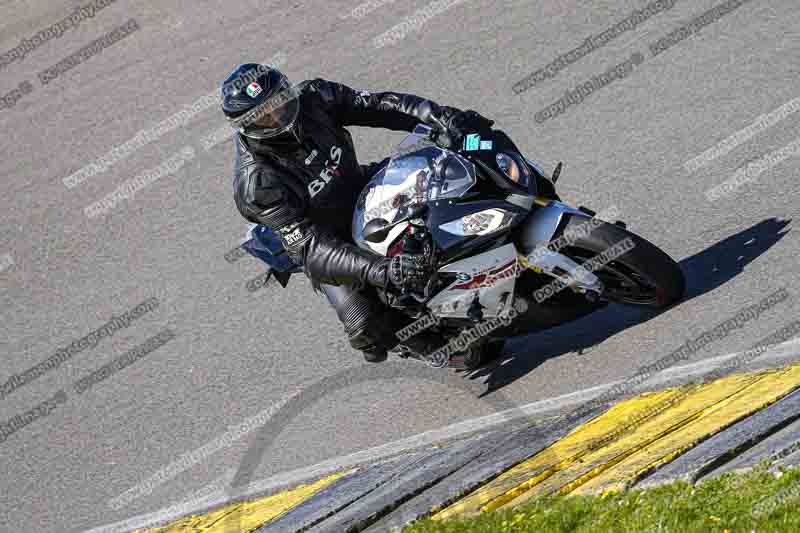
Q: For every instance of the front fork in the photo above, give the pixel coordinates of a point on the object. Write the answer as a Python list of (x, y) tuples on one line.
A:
[(538, 246)]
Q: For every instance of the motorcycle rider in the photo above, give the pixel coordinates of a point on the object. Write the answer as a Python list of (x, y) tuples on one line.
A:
[(296, 172)]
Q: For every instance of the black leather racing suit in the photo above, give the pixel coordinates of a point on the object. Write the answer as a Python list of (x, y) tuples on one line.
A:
[(307, 195)]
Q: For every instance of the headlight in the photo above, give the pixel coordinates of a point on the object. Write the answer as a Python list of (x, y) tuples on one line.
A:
[(480, 223), (513, 168)]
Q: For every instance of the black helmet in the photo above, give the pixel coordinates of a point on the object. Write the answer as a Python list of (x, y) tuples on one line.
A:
[(259, 101)]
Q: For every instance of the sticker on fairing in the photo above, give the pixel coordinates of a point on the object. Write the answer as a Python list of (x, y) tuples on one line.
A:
[(486, 145), (472, 141)]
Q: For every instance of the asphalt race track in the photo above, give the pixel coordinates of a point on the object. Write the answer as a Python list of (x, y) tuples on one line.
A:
[(226, 357)]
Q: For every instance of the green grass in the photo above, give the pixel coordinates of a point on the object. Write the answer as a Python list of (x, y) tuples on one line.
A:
[(758, 501)]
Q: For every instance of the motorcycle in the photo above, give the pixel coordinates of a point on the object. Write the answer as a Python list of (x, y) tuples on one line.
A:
[(510, 258)]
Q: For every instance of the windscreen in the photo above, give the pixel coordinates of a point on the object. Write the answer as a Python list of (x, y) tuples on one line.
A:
[(418, 173)]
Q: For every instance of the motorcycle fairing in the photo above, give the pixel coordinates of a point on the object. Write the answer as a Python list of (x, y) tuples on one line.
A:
[(542, 225), (538, 230), (443, 211), (494, 273)]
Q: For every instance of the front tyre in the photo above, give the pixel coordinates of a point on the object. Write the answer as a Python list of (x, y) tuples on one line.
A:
[(644, 275)]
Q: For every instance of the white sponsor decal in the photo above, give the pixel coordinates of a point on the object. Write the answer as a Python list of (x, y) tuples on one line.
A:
[(294, 236), (311, 157), (326, 173)]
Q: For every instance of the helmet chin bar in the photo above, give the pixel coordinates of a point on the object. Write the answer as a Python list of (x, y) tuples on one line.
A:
[(290, 136), (247, 123), (254, 133)]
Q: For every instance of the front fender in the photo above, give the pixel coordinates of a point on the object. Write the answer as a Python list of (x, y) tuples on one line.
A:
[(542, 225)]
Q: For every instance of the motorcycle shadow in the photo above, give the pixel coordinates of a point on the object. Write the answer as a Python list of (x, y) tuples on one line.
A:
[(704, 272)]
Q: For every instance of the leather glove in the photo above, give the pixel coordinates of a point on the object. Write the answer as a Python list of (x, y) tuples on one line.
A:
[(468, 121), (464, 122), (405, 272)]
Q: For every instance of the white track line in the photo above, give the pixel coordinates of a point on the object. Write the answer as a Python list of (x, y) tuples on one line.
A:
[(780, 354)]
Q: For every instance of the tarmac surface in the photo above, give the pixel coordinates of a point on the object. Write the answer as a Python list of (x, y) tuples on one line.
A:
[(237, 355)]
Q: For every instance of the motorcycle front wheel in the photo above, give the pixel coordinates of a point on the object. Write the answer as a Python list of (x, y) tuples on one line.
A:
[(644, 275)]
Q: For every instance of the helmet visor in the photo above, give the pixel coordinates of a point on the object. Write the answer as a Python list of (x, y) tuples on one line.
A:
[(276, 115)]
